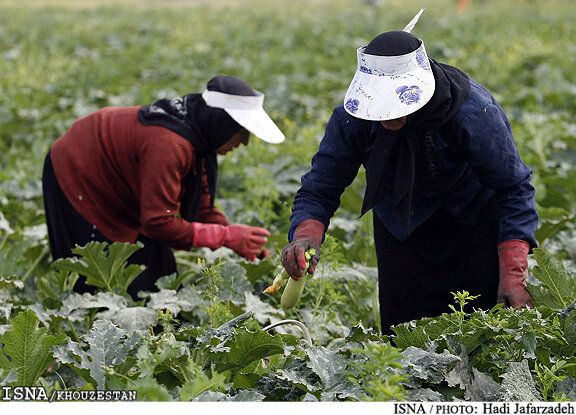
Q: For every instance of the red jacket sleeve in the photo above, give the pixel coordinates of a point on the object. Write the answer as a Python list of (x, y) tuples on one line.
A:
[(207, 215)]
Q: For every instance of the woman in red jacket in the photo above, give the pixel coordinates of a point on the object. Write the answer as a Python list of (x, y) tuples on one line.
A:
[(148, 174)]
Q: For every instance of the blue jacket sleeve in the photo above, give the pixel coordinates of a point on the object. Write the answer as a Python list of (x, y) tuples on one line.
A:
[(334, 167), (492, 154)]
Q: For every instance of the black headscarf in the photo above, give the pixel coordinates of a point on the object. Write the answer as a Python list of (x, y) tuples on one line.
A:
[(206, 128), (392, 160)]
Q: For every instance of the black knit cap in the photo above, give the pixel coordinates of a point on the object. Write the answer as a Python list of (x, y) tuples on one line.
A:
[(394, 43), (230, 85)]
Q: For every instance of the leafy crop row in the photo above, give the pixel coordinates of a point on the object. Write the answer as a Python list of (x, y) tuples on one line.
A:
[(207, 340)]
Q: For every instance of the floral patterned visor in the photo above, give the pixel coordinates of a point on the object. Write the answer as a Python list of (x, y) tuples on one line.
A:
[(389, 87)]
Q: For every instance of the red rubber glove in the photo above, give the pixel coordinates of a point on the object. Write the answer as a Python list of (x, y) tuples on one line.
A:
[(246, 241), (307, 235), (513, 260)]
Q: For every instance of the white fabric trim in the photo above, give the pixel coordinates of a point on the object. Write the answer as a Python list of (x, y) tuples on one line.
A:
[(227, 101), (248, 112)]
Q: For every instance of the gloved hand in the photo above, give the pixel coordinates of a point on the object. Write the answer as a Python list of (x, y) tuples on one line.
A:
[(513, 261), (246, 241), (307, 235)]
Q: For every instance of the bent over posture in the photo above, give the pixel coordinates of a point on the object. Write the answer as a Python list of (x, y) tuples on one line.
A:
[(453, 207), (149, 174)]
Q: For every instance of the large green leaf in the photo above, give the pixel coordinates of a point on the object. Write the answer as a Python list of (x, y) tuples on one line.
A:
[(149, 389), (55, 284), (152, 359), (478, 386), (237, 283), (108, 346), (333, 369), (247, 347), (409, 335), (75, 306), (359, 334), (202, 383), (569, 333), (131, 318), (27, 348), (216, 338), (429, 367), (298, 373), (518, 384), (558, 287), (169, 300), (104, 265), (111, 306)]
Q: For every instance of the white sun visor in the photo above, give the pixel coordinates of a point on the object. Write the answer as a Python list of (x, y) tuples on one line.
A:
[(389, 87), (248, 111)]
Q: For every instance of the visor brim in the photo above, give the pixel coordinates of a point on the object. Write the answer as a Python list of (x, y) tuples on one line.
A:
[(259, 123), (380, 97)]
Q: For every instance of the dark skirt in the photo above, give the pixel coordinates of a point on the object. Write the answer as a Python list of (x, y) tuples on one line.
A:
[(67, 228), (416, 277)]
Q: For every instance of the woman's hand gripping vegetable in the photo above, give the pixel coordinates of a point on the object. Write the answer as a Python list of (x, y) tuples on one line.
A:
[(298, 258), (307, 235), (294, 288)]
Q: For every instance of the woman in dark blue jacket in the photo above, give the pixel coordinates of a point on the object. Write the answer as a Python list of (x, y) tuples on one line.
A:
[(453, 205)]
